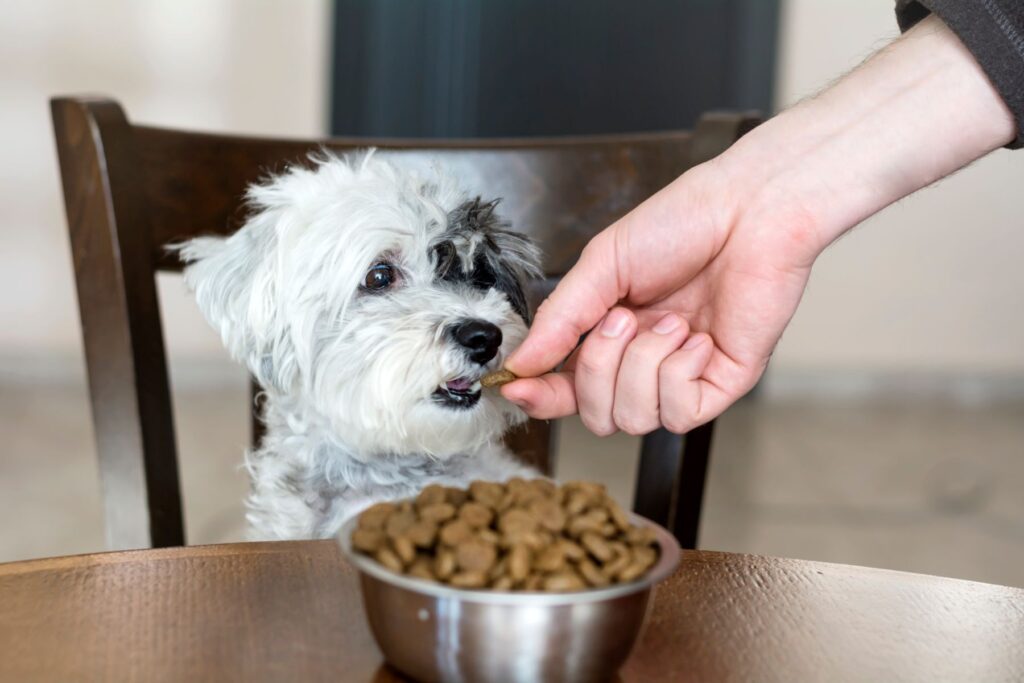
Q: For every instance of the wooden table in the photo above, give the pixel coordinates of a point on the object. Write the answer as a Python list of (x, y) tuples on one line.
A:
[(292, 612)]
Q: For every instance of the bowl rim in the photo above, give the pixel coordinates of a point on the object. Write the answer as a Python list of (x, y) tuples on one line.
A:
[(668, 559)]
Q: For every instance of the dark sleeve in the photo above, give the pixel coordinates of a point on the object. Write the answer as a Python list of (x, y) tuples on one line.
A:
[(993, 30)]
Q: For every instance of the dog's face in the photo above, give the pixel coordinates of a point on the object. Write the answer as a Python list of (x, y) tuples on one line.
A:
[(373, 302)]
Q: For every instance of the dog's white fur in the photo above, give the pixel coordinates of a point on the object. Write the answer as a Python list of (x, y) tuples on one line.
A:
[(349, 375)]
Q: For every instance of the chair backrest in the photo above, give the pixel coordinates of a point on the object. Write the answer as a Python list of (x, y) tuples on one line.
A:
[(131, 190)]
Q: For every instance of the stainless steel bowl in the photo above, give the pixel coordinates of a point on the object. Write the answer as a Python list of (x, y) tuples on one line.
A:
[(439, 634)]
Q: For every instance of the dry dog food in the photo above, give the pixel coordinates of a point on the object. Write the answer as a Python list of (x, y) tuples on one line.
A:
[(527, 535), (497, 378)]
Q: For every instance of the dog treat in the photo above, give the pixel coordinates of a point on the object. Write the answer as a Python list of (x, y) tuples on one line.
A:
[(497, 378), (525, 535)]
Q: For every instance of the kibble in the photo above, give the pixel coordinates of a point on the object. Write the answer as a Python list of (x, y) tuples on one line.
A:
[(497, 378), (376, 516), (444, 563), (486, 493), (437, 512), (367, 540), (405, 549), (565, 581), (592, 574), (597, 547), (469, 580), (399, 522), (525, 535), (431, 495), (422, 568), (422, 533), (455, 532), (519, 563), (475, 555), (389, 559), (476, 515), (551, 559)]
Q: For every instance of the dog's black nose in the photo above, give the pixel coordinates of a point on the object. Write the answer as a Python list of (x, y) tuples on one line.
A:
[(480, 338)]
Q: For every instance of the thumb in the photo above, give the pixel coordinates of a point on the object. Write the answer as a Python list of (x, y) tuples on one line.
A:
[(581, 299)]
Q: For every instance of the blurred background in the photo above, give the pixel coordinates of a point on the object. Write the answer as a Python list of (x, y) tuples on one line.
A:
[(889, 430)]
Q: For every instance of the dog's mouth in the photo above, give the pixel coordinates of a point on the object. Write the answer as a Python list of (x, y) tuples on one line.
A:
[(461, 393)]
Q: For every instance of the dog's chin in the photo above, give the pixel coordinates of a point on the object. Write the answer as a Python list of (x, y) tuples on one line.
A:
[(461, 393), (452, 420)]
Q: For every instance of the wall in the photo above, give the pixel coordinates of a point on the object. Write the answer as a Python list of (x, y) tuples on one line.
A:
[(224, 65)]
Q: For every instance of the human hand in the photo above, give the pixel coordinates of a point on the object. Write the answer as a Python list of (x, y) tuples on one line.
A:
[(689, 294)]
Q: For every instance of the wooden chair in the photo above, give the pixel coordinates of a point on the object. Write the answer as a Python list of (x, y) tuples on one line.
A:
[(130, 190)]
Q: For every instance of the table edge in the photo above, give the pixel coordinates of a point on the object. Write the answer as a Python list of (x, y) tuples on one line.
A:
[(257, 548)]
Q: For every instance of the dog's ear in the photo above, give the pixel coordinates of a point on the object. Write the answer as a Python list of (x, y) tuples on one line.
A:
[(513, 257), (517, 253), (512, 251), (508, 260), (235, 282), (514, 260)]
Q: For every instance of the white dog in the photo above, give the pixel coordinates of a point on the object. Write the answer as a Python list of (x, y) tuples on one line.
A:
[(367, 302)]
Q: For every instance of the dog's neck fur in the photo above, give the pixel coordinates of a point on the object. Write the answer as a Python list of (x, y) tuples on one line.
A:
[(306, 481)]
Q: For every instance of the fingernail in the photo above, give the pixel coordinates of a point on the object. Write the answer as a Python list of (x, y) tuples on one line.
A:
[(667, 324), (693, 342), (615, 323)]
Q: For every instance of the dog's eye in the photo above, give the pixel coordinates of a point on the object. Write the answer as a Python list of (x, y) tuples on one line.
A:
[(380, 277)]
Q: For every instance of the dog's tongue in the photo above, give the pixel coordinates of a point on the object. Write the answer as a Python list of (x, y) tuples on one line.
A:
[(460, 384)]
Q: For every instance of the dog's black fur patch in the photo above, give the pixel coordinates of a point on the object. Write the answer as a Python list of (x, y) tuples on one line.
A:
[(478, 249)]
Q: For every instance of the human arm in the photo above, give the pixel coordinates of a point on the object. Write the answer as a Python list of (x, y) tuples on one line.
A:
[(725, 251)]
